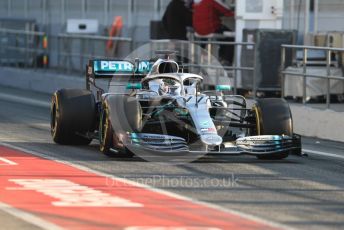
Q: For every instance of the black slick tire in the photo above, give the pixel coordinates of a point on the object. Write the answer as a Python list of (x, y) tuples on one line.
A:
[(72, 116)]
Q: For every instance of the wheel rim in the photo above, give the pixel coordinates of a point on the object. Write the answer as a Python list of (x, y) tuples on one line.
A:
[(257, 115), (102, 130)]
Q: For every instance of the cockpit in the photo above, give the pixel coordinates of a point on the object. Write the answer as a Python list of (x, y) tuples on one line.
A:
[(165, 86), (164, 79)]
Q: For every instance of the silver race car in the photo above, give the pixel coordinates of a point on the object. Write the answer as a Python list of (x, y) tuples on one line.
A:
[(153, 106)]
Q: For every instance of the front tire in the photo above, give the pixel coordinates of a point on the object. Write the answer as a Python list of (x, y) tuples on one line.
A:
[(273, 117), (121, 114)]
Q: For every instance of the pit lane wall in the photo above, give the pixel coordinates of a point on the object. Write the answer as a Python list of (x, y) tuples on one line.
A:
[(325, 124)]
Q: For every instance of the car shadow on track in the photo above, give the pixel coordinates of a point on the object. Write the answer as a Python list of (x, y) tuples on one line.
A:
[(92, 153)]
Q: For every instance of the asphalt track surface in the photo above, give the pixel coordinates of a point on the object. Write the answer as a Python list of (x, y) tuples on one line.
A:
[(298, 192)]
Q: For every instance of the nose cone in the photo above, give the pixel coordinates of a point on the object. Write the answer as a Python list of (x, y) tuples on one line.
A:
[(211, 139)]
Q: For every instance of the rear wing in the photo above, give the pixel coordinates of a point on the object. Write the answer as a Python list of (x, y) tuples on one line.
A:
[(118, 70)]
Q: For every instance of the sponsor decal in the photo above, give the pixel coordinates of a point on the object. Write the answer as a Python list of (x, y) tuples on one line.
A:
[(144, 66), (121, 66), (153, 136), (116, 66), (260, 140), (208, 130)]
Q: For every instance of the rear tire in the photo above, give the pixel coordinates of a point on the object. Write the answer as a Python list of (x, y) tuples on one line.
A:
[(72, 116), (273, 117)]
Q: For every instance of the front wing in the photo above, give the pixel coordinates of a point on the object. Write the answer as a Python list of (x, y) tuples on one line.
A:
[(252, 145)]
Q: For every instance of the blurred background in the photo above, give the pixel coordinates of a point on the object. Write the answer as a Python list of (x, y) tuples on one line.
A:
[(62, 35)]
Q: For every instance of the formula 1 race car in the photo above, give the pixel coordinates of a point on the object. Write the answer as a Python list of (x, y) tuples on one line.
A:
[(155, 106)]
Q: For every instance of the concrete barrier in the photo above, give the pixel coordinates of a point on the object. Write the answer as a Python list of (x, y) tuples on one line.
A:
[(39, 81), (325, 124)]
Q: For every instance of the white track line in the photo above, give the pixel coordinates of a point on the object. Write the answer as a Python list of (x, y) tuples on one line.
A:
[(323, 153), (7, 161), (24, 100), (27, 217), (157, 190)]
